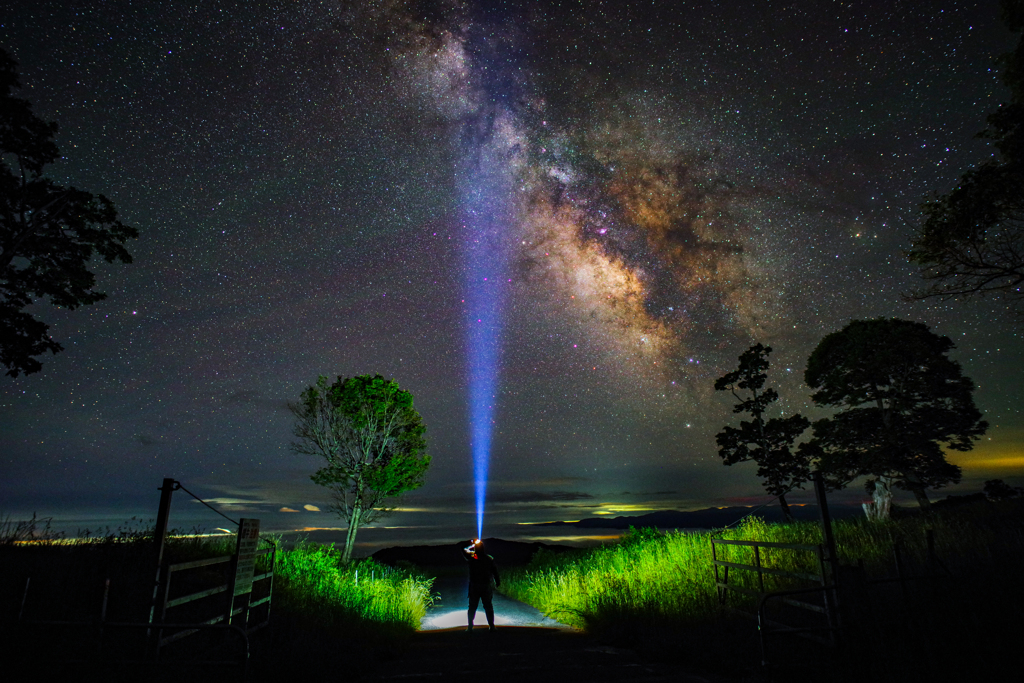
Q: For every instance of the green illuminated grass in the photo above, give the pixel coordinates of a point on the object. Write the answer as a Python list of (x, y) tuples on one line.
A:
[(317, 585), (657, 592), (329, 618), (672, 574)]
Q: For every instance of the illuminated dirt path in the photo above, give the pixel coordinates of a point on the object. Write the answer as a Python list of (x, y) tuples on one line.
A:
[(449, 609), (527, 647)]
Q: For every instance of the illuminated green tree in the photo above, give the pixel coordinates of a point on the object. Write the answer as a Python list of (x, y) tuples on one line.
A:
[(48, 233), (902, 400), (769, 442), (372, 439)]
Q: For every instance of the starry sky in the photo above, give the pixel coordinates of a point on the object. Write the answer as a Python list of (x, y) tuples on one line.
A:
[(667, 183)]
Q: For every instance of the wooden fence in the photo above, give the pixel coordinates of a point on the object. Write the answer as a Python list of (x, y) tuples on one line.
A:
[(236, 607), (228, 613)]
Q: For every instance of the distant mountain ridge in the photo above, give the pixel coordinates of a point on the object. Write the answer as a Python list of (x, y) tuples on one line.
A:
[(511, 553), (708, 518), (506, 553)]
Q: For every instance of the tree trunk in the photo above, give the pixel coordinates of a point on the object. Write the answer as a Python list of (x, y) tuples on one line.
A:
[(922, 497), (881, 504), (787, 516), (350, 539)]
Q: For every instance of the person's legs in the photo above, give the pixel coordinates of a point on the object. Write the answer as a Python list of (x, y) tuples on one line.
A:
[(474, 600), (488, 607)]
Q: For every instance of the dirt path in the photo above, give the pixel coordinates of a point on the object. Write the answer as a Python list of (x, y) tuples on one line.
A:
[(520, 653), (526, 647), (449, 608)]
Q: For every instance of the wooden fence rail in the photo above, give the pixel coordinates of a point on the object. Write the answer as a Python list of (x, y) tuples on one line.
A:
[(228, 615)]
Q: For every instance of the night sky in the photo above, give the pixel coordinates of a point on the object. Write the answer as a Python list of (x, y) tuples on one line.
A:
[(662, 184)]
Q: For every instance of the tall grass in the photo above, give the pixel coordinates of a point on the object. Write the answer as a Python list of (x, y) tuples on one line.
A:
[(672, 573), (330, 619), (316, 583), (657, 591)]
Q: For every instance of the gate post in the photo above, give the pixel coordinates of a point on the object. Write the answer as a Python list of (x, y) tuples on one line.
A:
[(159, 534), (832, 594), (243, 566)]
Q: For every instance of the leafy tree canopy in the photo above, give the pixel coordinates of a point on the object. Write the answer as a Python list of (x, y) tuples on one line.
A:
[(769, 443), (372, 440), (48, 233), (902, 400), (971, 240)]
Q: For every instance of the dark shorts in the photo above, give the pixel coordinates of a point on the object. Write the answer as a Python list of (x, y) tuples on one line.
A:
[(478, 592)]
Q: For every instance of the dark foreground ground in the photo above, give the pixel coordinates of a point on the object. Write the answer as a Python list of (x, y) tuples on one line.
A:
[(522, 653), (527, 645)]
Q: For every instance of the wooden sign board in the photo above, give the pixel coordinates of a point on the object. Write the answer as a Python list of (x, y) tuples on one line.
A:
[(245, 554)]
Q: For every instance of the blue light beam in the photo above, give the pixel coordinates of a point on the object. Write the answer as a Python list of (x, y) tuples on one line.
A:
[(486, 200), (491, 147)]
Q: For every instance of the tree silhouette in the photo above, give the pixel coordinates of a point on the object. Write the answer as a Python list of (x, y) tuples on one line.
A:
[(997, 489), (902, 401), (372, 438), (48, 233), (769, 443), (971, 240)]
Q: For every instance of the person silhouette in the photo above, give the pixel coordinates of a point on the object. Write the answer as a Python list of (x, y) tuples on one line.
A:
[(483, 577)]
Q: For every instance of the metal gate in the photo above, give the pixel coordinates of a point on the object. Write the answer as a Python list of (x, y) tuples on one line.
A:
[(818, 600)]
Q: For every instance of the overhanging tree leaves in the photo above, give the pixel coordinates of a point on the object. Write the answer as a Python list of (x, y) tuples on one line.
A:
[(971, 241), (48, 233), (901, 399), (372, 439), (769, 443)]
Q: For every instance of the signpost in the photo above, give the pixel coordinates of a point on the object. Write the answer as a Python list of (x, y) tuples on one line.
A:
[(245, 551), (245, 564)]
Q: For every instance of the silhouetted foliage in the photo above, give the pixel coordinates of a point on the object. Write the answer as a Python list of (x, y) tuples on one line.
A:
[(48, 233), (901, 400), (971, 240), (997, 489), (372, 438), (769, 443)]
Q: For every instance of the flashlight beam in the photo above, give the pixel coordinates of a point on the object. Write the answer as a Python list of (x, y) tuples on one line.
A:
[(486, 200)]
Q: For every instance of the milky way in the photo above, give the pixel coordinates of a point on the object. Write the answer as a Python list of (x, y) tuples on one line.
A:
[(628, 220)]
